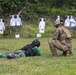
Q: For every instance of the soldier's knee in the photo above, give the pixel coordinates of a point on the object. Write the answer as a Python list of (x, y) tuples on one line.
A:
[(50, 41)]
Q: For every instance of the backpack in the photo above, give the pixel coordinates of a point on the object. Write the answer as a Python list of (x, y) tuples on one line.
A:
[(67, 32)]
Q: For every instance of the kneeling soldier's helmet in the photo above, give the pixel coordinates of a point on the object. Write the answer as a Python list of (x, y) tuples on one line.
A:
[(58, 22)]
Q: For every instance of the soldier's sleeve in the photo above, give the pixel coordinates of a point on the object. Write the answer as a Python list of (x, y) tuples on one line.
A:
[(56, 34), (37, 51)]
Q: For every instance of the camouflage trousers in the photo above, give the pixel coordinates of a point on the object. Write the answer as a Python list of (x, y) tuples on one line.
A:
[(57, 44), (16, 54)]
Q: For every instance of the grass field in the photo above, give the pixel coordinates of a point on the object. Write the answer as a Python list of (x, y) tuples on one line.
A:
[(42, 65)]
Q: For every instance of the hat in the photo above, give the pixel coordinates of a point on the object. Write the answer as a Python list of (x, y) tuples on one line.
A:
[(57, 22)]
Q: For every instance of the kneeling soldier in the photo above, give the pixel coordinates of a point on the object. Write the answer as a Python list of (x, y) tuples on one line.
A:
[(61, 39)]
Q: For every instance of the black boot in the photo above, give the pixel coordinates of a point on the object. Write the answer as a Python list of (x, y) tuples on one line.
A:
[(64, 53), (55, 54), (68, 53)]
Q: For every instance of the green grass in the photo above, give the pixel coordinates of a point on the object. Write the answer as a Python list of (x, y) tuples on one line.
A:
[(42, 65)]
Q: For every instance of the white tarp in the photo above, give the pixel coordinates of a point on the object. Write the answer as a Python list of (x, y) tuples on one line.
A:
[(67, 22), (18, 21), (58, 17), (70, 23), (2, 26), (12, 21), (42, 26), (15, 20)]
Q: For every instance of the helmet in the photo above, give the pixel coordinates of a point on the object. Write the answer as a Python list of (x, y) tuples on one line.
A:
[(36, 43), (57, 22)]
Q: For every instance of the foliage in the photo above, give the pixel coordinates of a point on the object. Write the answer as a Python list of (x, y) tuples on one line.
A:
[(9, 7), (31, 30), (33, 9)]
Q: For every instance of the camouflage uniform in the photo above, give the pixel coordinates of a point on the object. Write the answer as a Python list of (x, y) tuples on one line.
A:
[(61, 41), (20, 53), (28, 50)]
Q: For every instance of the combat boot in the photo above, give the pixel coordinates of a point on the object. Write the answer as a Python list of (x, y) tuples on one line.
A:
[(64, 53), (68, 53), (55, 54)]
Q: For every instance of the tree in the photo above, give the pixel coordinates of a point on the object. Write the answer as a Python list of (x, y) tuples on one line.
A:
[(11, 6)]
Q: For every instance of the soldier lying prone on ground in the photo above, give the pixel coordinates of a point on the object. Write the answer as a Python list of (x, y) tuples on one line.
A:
[(28, 50)]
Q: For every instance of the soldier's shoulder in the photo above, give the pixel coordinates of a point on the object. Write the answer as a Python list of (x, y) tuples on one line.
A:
[(59, 28)]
